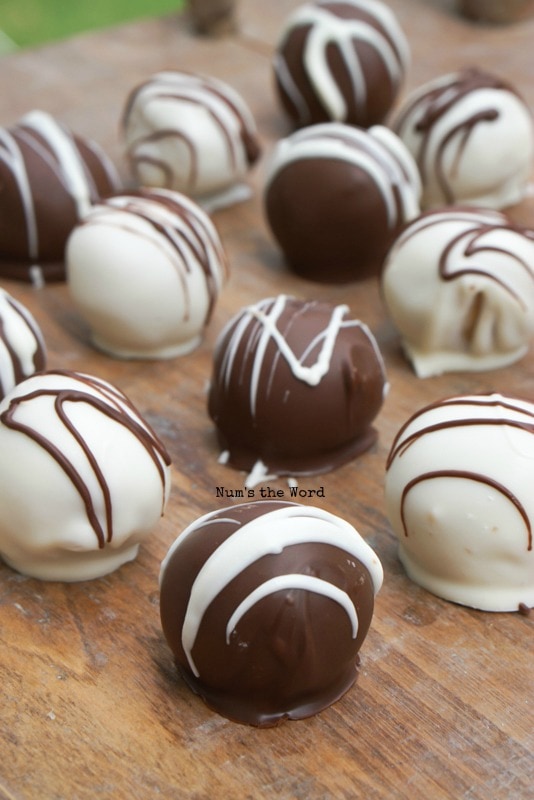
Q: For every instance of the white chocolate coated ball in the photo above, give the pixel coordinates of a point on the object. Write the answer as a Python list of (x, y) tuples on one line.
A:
[(459, 286), (145, 272), (83, 478), (459, 499)]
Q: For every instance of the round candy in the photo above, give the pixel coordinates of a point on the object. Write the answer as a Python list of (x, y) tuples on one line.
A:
[(83, 478), (342, 61), (472, 136), (49, 179), (459, 498), (295, 387), (193, 134), (459, 286), (145, 270), (265, 606), (336, 197)]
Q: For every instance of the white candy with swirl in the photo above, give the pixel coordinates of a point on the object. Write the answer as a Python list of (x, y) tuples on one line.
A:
[(472, 136), (459, 498), (83, 477), (145, 272), (459, 287)]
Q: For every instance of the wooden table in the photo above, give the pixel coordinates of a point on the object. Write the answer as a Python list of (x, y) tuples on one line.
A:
[(90, 704)]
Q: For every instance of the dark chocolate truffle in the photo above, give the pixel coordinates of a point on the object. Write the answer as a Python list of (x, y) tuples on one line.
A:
[(265, 606), (336, 197), (49, 178), (295, 387), (342, 61)]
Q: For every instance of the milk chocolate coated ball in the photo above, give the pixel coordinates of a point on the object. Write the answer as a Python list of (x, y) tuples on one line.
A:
[(265, 606), (295, 387)]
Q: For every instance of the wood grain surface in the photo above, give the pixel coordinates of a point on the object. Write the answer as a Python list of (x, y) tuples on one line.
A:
[(91, 706)]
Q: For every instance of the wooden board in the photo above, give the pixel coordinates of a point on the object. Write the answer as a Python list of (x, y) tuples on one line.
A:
[(90, 704)]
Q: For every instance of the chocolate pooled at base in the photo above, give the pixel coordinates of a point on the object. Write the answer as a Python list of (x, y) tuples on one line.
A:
[(265, 606), (295, 387)]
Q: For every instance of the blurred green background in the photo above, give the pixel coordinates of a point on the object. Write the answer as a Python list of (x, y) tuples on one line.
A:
[(24, 23)]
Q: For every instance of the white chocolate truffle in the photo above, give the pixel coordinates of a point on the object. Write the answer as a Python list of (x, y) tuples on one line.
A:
[(145, 271), (459, 286), (193, 134), (459, 498), (341, 61), (22, 347), (472, 136), (83, 478)]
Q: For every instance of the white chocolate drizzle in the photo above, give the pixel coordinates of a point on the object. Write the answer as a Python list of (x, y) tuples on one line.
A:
[(294, 581), (377, 151), (267, 534), (266, 314), (325, 29)]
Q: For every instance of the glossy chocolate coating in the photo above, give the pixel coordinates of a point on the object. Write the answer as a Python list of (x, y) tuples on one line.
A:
[(49, 177), (342, 61), (335, 198), (275, 633), (295, 385)]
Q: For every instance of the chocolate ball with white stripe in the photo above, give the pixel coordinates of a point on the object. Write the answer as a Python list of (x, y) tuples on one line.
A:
[(49, 179), (336, 197), (340, 60), (265, 606), (295, 387)]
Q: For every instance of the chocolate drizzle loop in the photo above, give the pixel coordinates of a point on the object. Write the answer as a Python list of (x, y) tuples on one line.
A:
[(109, 406)]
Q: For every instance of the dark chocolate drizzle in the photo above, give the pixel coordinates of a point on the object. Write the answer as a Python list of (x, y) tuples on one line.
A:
[(194, 237), (110, 406), (247, 136), (400, 446), (437, 103)]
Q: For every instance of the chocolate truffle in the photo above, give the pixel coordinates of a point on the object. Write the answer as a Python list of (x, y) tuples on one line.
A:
[(459, 286), (145, 270), (459, 498), (472, 136), (49, 178), (83, 478), (295, 387), (193, 134), (341, 61), (265, 606), (335, 198), (22, 347)]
